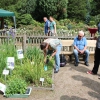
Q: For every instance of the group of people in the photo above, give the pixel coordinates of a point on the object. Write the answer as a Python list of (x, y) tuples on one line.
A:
[(50, 26), (53, 47)]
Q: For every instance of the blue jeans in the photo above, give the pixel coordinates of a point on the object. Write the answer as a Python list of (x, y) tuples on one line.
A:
[(57, 57), (86, 52)]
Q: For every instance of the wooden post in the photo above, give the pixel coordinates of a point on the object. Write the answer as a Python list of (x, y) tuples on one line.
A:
[(24, 42)]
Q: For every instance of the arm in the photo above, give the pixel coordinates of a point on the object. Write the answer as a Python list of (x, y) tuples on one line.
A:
[(53, 54), (85, 46), (55, 28), (75, 47)]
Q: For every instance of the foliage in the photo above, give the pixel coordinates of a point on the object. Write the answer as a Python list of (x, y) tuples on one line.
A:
[(34, 53), (77, 9), (25, 19), (95, 7), (7, 50), (15, 86)]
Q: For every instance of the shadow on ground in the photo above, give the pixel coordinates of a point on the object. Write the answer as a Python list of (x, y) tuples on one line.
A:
[(95, 95), (65, 97), (93, 85), (79, 68)]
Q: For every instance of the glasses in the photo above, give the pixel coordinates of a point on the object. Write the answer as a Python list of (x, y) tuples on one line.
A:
[(79, 36)]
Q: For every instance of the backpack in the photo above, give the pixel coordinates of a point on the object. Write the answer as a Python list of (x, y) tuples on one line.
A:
[(63, 60)]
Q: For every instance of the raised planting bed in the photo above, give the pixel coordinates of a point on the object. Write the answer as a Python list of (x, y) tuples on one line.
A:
[(28, 92), (45, 87)]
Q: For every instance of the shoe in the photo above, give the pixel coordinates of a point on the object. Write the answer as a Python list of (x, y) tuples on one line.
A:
[(76, 63), (99, 77), (86, 63), (90, 72), (55, 71)]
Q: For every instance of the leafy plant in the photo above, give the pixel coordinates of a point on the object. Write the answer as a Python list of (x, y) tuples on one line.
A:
[(15, 86), (34, 53)]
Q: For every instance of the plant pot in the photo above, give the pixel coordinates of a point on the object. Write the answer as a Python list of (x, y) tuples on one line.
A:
[(92, 31), (28, 92)]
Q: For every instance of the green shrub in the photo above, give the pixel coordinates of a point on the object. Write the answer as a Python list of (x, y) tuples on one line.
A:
[(15, 86)]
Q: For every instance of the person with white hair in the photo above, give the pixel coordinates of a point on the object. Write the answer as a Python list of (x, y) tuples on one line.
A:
[(80, 47), (46, 26)]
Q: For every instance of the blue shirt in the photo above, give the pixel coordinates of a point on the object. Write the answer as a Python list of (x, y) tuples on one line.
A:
[(80, 44), (47, 25)]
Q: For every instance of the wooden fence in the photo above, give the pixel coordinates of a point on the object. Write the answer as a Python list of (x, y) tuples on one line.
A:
[(23, 41)]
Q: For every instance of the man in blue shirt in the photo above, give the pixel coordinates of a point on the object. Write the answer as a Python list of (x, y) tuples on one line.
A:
[(80, 47), (46, 26)]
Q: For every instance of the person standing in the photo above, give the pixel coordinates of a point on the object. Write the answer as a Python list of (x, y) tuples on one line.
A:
[(80, 47), (52, 26), (52, 47), (96, 58), (46, 26)]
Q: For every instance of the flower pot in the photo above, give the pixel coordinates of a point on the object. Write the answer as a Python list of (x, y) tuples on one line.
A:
[(28, 92), (92, 31)]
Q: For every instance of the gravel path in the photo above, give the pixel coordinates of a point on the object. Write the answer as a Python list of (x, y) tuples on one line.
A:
[(71, 83)]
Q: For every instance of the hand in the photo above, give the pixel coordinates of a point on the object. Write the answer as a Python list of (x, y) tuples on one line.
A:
[(81, 51), (45, 60)]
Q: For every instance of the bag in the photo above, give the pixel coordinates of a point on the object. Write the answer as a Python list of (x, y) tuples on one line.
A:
[(63, 60)]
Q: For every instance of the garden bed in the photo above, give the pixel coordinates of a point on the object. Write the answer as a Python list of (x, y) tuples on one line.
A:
[(28, 92), (26, 72)]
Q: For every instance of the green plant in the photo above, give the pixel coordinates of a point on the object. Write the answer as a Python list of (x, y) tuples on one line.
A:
[(7, 50), (15, 86), (34, 53)]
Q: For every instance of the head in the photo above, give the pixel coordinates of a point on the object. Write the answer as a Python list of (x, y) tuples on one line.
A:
[(80, 35), (51, 18), (43, 46), (45, 19)]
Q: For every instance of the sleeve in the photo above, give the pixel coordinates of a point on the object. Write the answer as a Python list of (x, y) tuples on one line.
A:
[(85, 41), (74, 43), (48, 23), (54, 23)]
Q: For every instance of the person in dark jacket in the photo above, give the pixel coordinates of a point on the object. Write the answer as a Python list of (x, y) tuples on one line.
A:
[(99, 28), (96, 58)]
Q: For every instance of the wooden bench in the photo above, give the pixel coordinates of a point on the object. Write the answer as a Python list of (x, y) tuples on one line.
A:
[(68, 48)]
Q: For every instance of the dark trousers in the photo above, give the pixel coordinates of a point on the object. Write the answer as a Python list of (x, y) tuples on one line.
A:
[(96, 60)]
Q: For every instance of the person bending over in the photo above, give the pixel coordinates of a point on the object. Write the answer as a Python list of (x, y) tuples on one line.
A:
[(52, 47)]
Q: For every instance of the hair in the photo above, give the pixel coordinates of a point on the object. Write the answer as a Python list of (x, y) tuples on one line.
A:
[(81, 32), (51, 17), (43, 45)]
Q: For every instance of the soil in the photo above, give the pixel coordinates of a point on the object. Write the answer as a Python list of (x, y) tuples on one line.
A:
[(71, 83)]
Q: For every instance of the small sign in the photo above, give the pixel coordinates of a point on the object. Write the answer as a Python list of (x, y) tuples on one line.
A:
[(20, 54), (5, 72), (2, 87), (10, 63), (42, 79)]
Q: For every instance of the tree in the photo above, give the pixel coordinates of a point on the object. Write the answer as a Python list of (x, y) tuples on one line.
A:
[(95, 7), (55, 8), (77, 9)]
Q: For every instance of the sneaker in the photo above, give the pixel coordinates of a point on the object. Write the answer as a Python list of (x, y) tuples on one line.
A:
[(76, 63), (55, 71), (90, 72), (86, 63)]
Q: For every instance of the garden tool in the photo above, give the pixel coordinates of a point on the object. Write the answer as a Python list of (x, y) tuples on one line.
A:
[(45, 66)]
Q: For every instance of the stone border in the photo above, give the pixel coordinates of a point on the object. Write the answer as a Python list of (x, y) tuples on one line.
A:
[(46, 88)]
